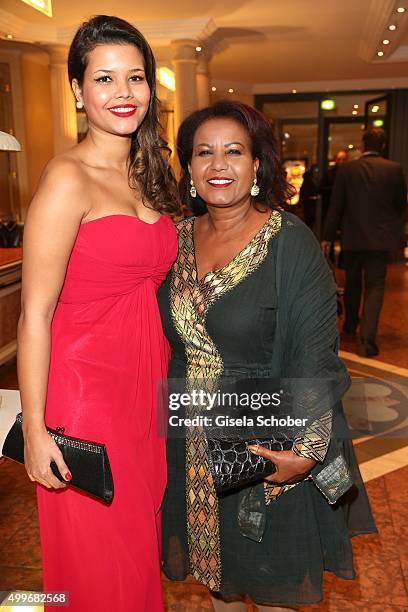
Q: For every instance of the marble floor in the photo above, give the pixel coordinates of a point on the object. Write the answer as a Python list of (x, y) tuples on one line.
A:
[(381, 560)]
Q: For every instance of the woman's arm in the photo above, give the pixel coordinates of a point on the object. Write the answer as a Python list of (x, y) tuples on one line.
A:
[(51, 227)]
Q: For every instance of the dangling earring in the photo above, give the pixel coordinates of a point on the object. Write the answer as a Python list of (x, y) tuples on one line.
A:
[(254, 189), (79, 105), (193, 190)]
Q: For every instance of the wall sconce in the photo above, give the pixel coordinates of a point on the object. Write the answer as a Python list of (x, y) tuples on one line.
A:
[(166, 77), (8, 142)]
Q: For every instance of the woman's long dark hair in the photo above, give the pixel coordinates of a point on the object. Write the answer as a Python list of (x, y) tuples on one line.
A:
[(274, 190), (149, 169)]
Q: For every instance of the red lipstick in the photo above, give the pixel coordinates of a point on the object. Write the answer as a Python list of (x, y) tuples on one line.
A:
[(220, 182), (123, 110)]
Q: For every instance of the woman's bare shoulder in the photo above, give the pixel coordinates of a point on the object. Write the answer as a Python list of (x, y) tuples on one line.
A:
[(62, 187), (67, 168)]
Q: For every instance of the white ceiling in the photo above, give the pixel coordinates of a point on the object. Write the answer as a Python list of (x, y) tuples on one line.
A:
[(260, 43)]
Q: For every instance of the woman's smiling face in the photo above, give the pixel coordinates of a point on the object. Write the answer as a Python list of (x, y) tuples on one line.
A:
[(115, 91), (222, 167)]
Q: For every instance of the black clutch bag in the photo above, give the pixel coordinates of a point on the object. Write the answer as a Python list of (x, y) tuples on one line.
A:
[(87, 461), (232, 465)]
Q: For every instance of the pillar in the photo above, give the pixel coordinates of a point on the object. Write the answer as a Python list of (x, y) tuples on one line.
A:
[(185, 67), (203, 80), (63, 101)]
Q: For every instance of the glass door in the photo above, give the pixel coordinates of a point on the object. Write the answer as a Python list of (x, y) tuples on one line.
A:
[(341, 143), (298, 141), (342, 134), (377, 113)]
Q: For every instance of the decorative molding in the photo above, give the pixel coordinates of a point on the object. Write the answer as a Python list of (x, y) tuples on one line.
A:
[(163, 32), (380, 15), (214, 38), (9, 24), (377, 19), (399, 55), (23, 31), (237, 86), (57, 53), (311, 86), (157, 32), (340, 85)]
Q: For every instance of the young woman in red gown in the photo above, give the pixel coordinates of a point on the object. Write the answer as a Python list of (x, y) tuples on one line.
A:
[(98, 242)]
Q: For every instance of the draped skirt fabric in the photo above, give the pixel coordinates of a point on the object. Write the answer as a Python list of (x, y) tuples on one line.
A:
[(304, 536)]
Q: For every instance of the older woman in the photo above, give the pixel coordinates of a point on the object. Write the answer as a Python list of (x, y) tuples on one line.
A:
[(251, 293)]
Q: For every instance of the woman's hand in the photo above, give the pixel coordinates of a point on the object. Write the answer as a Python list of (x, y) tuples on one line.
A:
[(290, 468), (39, 451)]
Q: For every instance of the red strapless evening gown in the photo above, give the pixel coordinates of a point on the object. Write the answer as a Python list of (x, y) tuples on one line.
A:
[(108, 357)]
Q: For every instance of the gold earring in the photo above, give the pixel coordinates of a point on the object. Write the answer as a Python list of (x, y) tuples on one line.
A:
[(79, 105), (254, 189), (193, 190)]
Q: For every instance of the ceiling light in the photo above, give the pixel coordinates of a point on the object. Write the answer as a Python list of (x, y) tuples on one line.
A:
[(9, 36), (354, 112), (392, 27), (213, 88), (380, 53), (230, 90), (375, 108), (351, 146), (401, 9), (294, 90), (386, 41), (199, 48), (44, 6), (355, 106)]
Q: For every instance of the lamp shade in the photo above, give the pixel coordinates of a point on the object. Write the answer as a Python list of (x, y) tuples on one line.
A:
[(8, 142)]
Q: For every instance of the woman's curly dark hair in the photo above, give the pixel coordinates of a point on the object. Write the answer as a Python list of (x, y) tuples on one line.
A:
[(275, 191), (149, 168)]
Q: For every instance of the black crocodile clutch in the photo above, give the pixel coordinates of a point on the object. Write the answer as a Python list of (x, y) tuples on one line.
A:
[(232, 465), (88, 461)]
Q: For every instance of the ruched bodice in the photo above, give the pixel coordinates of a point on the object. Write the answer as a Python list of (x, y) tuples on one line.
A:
[(106, 261), (108, 359)]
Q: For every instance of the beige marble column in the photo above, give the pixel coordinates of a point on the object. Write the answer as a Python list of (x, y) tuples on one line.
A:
[(63, 101), (185, 67), (203, 79)]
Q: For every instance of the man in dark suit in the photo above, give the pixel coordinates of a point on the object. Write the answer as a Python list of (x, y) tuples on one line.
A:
[(367, 203), (327, 182)]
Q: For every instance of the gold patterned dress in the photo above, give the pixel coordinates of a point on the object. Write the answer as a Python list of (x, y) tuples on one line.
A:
[(270, 312)]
